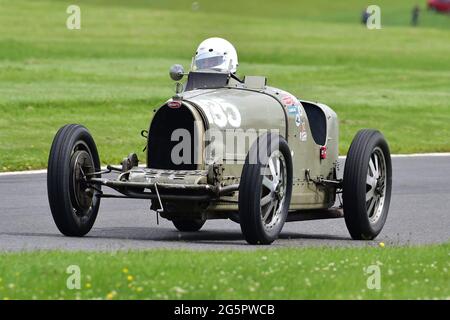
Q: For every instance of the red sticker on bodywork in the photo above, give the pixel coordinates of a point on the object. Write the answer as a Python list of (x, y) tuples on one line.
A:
[(288, 100)]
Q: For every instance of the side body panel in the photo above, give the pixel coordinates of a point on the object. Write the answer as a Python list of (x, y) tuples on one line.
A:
[(307, 164)]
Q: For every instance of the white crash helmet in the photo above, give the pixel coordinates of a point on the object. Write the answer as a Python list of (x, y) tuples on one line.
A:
[(215, 54)]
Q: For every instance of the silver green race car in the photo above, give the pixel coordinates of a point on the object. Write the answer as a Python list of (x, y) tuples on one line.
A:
[(229, 148)]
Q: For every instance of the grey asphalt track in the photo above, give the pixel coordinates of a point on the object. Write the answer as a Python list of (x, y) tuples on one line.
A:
[(419, 214)]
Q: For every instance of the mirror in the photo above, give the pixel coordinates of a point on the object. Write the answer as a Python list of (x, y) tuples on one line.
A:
[(176, 72)]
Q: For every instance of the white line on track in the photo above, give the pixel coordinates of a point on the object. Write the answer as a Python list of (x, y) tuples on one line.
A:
[(17, 173), (412, 155), (415, 155)]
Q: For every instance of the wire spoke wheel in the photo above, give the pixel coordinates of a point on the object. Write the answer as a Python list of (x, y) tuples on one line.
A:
[(265, 189), (273, 189), (367, 184), (375, 185)]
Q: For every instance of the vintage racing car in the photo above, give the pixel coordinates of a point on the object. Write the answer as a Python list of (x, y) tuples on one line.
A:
[(229, 148)]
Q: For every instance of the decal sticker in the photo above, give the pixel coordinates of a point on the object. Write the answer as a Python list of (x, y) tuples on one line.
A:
[(288, 100), (298, 119), (303, 135), (292, 109)]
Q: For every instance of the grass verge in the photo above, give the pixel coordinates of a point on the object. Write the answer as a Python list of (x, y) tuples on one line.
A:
[(305, 273)]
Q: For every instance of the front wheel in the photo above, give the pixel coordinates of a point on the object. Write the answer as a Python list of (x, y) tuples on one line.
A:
[(265, 189), (73, 202), (367, 185)]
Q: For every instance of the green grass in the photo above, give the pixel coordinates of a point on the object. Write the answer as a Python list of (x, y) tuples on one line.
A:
[(112, 73), (307, 273)]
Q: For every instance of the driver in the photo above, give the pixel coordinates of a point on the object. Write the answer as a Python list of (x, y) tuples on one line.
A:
[(215, 54)]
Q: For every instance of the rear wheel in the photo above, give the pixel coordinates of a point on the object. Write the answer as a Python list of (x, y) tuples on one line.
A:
[(188, 224), (367, 185), (73, 202), (265, 189)]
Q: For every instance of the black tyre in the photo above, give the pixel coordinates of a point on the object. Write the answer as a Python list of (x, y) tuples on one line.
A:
[(367, 185), (73, 203), (189, 225), (265, 189)]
